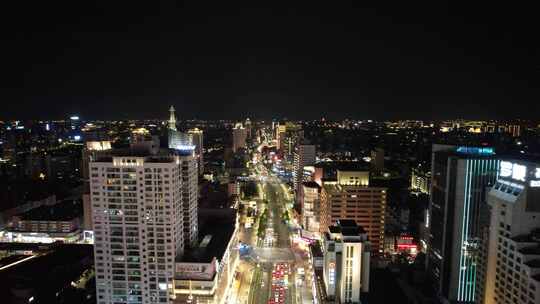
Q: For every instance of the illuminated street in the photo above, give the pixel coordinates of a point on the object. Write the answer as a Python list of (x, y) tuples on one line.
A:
[(260, 269)]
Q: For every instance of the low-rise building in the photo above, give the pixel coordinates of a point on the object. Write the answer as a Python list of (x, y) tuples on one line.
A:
[(203, 274), (63, 217), (20, 197), (47, 224)]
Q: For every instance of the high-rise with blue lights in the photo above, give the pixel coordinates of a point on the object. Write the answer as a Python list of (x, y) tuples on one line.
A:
[(196, 136), (185, 148), (460, 179), (190, 195)]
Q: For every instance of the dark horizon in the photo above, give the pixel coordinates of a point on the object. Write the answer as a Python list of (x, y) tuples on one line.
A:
[(110, 61)]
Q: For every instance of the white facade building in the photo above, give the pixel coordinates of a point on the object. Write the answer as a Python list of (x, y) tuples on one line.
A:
[(204, 274), (190, 196), (196, 135), (311, 202), (346, 262), (188, 146), (138, 225), (513, 260)]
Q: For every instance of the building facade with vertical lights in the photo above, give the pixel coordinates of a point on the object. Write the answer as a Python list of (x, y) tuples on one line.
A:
[(190, 195), (460, 179), (197, 137)]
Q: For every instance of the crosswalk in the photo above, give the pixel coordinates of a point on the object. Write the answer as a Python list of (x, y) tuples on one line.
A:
[(269, 238), (273, 254)]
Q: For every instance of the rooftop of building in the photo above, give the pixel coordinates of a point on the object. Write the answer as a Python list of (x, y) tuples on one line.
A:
[(528, 158), (215, 232), (27, 246), (344, 166), (316, 250), (347, 223), (336, 188), (347, 228), (213, 196), (533, 250), (350, 227), (532, 237), (311, 184), (15, 193), (162, 155), (334, 229), (421, 171), (533, 263), (62, 211), (526, 238), (464, 151), (466, 155)]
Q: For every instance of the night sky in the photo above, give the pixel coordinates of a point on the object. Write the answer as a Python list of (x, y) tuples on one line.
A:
[(214, 60)]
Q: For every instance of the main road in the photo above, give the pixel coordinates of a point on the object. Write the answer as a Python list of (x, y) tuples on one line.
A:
[(254, 276), (275, 246)]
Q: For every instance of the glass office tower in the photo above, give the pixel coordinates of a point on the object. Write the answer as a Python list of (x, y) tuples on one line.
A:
[(460, 179)]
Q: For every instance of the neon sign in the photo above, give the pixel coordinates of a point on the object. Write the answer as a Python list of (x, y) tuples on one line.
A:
[(519, 172), (476, 150), (513, 170)]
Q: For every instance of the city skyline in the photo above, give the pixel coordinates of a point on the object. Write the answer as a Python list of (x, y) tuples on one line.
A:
[(268, 212), (346, 152)]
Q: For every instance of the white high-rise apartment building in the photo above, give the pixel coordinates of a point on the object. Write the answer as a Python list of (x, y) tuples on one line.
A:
[(190, 196), (196, 135), (513, 259), (188, 146), (138, 223), (346, 262)]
